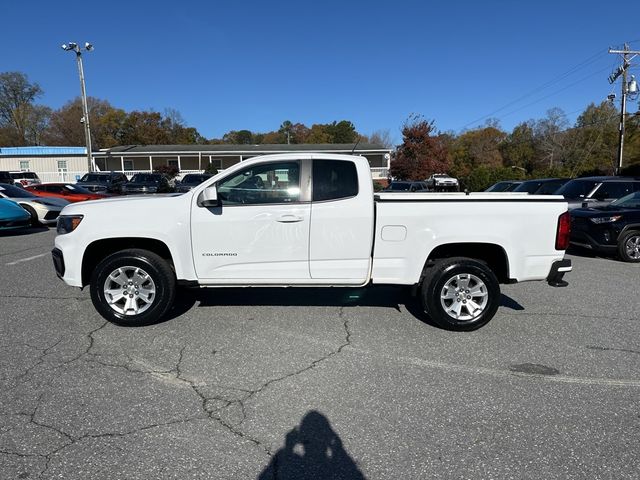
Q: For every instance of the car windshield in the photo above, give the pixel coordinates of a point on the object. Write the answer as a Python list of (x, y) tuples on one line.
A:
[(145, 177), (400, 186), (95, 178), (77, 189), (577, 188), (192, 179), (14, 192), (30, 175), (628, 201), (529, 187), (500, 187)]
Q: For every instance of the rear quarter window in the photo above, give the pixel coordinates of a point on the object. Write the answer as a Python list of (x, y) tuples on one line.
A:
[(334, 179)]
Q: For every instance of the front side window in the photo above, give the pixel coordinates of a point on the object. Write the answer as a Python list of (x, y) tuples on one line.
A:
[(334, 179), (277, 182)]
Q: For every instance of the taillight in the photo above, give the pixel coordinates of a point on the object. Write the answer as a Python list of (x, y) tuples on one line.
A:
[(563, 232), (24, 182)]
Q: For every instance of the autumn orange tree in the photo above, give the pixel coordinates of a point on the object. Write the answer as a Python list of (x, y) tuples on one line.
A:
[(422, 152)]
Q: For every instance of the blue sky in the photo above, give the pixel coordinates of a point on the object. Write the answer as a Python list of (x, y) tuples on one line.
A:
[(233, 65)]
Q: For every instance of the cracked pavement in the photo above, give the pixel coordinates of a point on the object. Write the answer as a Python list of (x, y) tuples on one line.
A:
[(312, 383)]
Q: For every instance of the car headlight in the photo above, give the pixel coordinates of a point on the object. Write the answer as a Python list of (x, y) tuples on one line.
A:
[(611, 219), (68, 223)]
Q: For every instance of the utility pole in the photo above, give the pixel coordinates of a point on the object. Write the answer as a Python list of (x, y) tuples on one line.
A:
[(627, 56), (72, 46)]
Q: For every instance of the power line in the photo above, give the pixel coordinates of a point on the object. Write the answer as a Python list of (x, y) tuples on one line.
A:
[(588, 61)]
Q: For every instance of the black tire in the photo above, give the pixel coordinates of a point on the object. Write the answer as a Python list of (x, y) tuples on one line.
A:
[(478, 276), (628, 247), (34, 216), (158, 277)]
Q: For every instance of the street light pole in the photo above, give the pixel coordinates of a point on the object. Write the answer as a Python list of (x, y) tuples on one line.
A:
[(72, 46)]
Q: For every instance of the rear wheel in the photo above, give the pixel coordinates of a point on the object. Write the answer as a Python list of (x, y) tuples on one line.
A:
[(629, 247), (460, 293), (133, 287)]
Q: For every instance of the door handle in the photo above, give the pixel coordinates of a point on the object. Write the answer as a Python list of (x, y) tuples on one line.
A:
[(289, 218)]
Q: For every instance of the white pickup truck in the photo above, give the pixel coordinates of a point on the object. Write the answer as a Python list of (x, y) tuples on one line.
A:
[(310, 220)]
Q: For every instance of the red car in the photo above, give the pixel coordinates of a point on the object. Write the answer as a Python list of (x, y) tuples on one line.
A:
[(68, 191)]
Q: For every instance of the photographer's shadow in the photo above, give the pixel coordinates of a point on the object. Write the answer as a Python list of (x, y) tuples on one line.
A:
[(312, 450)]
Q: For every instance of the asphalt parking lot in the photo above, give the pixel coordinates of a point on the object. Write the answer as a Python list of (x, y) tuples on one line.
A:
[(310, 383)]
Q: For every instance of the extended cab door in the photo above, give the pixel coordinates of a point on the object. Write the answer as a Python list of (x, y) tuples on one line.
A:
[(342, 219), (260, 233)]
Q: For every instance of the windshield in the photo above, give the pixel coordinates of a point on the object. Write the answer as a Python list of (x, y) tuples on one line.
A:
[(14, 192), (529, 187), (145, 177), (30, 175), (577, 188), (95, 178), (192, 179), (500, 187), (628, 201), (77, 189), (399, 186)]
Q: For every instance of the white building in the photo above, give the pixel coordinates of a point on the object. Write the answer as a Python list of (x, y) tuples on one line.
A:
[(55, 164)]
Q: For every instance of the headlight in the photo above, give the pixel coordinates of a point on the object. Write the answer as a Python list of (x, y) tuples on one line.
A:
[(599, 220), (68, 223)]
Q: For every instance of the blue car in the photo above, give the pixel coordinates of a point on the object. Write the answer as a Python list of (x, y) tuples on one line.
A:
[(13, 215)]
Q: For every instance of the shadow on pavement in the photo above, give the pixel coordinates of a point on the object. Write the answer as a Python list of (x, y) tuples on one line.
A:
[(508, 302), (312, 450), (23, 231)]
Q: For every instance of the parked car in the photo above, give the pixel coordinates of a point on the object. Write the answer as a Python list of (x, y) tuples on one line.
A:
[(191, 180), (597, 191), (103, 182), (42, 210), (441, 182), (25, 178), (147, 183), (67, 191), (541, 186), (12, 215), (614, 228), (504, 186), (401, 186)]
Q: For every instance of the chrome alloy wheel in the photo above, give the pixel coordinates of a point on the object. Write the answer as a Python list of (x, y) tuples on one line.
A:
[(464, 297), (632, 247), (129, 290)]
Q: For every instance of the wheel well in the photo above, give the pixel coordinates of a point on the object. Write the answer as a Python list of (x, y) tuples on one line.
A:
[(101, 249), (493, 255)]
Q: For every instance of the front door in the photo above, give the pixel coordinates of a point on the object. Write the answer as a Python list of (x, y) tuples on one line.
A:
[(260, 233)]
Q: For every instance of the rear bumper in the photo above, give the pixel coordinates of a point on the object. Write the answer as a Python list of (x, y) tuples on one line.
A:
[(558, 269)]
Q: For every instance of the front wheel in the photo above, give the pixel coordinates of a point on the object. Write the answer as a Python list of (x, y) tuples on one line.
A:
[(133, 287), (460, 293), (629, 247)]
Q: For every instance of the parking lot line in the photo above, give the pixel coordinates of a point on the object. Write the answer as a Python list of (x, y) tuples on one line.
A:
[(28, 259)]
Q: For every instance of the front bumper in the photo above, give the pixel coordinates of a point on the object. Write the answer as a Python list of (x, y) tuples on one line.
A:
[(558, 269), (58, 262)]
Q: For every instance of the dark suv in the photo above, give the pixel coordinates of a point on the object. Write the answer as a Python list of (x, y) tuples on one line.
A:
[(103, 182), (610, 229), (597, 191)]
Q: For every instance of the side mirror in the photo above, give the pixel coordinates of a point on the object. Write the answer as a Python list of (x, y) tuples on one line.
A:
[(209, 197)]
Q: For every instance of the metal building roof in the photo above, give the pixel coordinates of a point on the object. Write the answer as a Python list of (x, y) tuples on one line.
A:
[(35, 151)]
